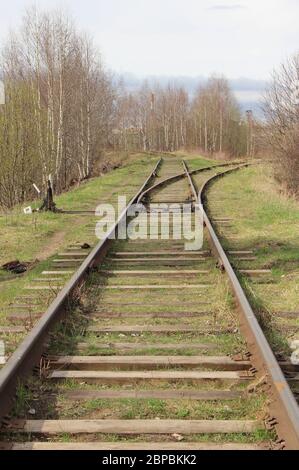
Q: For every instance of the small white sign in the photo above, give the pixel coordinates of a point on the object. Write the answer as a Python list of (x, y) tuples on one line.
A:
[(28, 210)]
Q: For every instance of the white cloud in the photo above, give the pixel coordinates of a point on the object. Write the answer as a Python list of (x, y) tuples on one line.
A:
[(227, 7), (190, 37)]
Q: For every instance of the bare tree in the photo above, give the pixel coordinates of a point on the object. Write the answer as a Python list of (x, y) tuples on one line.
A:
[(216, 118), (63, 110), (60, 106), (281, 108)]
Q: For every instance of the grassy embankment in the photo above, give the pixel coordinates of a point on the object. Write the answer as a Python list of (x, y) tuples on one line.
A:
[(267, 222), (40, 236)]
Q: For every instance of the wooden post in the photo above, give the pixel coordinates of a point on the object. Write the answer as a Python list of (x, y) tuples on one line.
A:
[(49, 204)]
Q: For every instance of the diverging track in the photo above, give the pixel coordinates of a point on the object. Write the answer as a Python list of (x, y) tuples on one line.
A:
[(155, 357)]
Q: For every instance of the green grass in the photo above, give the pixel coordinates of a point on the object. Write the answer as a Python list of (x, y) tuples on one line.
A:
[(222, 344), (40, 236), (260, 437), (23, 399), (28, 238), (248, 408), (268, 223), (52, 402), (195, 162), (23, 236)]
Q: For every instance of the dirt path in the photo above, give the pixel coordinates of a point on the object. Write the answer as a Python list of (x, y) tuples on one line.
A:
[(52, 246)]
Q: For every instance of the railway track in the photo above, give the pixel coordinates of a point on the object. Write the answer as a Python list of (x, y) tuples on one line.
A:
[(164, 351)]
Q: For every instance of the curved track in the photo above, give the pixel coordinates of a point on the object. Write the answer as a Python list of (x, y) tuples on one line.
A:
[(159, 338)]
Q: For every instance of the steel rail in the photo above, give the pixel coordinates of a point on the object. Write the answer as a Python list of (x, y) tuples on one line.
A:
[(283, 406), (28, 354), (171, 179)]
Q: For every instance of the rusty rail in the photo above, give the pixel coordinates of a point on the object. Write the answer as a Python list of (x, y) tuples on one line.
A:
[(181, 175), (29, 352), (283, 406)]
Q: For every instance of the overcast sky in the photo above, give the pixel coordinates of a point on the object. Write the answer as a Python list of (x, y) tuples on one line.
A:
[(241, 38)]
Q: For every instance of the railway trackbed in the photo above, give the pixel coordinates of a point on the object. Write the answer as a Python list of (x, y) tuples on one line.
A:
[(150, 346)]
